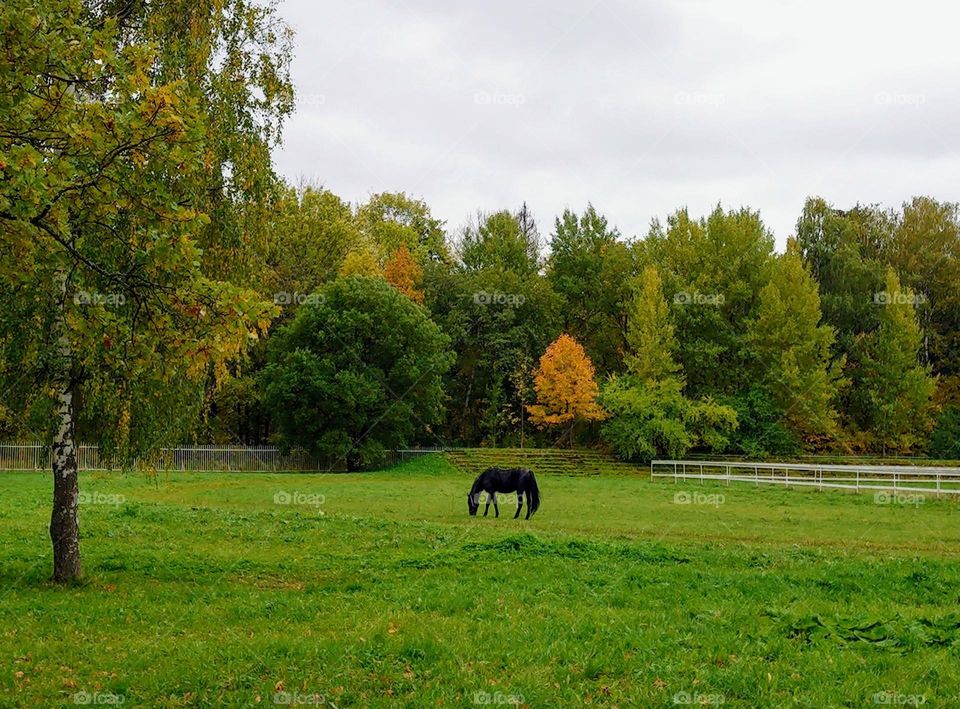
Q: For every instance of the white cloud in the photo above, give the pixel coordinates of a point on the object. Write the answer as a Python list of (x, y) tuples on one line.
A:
[(638, 107)]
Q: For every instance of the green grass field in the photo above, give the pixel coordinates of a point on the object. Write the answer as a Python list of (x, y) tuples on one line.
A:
[(377, 589)]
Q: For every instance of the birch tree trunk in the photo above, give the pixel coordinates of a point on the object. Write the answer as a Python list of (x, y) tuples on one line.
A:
[(64, 529)]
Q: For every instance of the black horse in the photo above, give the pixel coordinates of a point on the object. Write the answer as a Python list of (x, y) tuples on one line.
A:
[(494, 480)]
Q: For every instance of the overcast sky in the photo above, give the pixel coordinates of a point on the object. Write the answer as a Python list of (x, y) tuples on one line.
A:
[(637, 107)]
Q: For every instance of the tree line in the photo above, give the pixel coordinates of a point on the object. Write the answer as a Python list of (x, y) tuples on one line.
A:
[(386, 330), (697, 336)]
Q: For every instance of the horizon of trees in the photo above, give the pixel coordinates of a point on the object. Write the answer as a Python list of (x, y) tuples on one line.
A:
[(843, 343), (700, 334)]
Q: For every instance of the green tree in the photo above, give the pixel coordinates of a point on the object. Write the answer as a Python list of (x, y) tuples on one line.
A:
[(311, 234), (925, 251), (654, 419), (500, 242), (793, 348), (591, 268), (500, 314), (233, 57), (649, 414), (361, 262), (112, 156), (945, 440), (842, 250), (499, 322), (650, 339), (390, 220), (357, 371), (762, 430), (898, 387), (713, 269)]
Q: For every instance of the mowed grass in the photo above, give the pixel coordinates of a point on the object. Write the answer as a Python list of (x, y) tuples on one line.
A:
[(201, 590)]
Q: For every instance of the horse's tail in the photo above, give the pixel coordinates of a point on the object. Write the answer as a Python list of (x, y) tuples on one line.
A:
[(533, 494)]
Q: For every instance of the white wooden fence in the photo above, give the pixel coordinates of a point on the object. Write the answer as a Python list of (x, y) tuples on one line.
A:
[(896, 478)]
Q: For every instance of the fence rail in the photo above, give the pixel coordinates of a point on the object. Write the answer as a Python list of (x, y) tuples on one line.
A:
[(906, 478), (34, 456)]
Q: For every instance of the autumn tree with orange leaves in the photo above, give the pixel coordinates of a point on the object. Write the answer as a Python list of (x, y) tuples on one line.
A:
[(566, 387), (404, 273)]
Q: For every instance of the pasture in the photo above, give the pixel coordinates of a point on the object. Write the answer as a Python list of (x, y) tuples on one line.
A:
[(377, 589)]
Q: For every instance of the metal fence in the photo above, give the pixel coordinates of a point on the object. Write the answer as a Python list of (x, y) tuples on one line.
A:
[(906, 478), (211, 458)]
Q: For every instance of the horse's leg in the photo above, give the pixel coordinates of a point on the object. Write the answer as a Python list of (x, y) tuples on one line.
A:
[(487, 508), (519, 503), (496, 510)]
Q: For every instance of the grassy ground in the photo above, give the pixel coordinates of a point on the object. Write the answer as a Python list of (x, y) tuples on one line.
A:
[(377, 590)]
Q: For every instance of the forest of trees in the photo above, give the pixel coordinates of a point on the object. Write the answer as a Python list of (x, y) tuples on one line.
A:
[(390, 330), (697, 336)]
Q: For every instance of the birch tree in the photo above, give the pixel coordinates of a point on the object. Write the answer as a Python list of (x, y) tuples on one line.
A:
[(118, 179)]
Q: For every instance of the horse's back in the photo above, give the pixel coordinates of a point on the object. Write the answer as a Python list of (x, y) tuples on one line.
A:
[(506, 479)]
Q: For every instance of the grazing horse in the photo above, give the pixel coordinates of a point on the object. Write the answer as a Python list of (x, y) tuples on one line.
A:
[(494, 480)]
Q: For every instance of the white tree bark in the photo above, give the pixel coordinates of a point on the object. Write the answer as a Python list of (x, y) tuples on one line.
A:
[(64, 527)]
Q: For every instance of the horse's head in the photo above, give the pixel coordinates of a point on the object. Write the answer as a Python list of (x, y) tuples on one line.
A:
[(473, 503)]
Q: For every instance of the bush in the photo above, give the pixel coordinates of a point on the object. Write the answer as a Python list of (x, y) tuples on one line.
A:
[(357, 371), (945, 441), (762, 430), (654, 419)]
